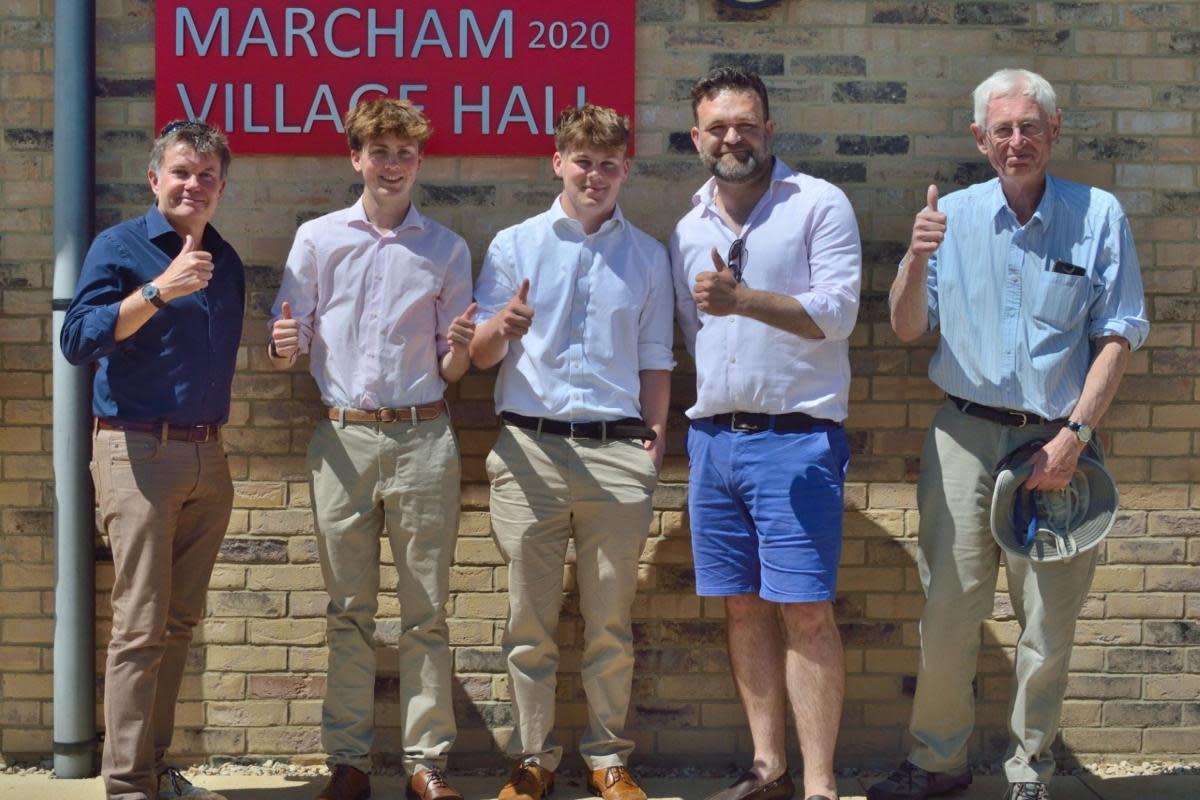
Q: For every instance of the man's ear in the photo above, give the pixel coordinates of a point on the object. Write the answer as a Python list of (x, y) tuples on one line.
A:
[(980, 137), (557, 161), (696, 138)]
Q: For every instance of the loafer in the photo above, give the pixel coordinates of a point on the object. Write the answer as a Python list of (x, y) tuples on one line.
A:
[(910, 782), (528, 781), (614, 783), (347, 783), (1027, 790), (749, 786), (430, 784)]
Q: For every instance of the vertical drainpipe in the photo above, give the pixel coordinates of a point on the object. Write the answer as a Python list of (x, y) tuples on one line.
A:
[(74, 515)]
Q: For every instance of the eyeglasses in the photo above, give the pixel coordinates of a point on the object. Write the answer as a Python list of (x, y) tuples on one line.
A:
[(1029, 129), (736, 258), (181, 124)]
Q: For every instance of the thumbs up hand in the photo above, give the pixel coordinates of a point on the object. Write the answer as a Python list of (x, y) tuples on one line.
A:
[(517, 315), (462, 329), (189, 272), (929, 228), (285, 334), (716, 292)]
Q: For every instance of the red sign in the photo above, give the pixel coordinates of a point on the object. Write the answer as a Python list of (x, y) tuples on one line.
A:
[(491, 76)]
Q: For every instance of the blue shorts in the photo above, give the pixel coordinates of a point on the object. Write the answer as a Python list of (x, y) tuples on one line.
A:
[(766, 511)]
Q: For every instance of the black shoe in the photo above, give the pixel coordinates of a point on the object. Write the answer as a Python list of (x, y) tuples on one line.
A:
[(1027, 791), (910, 782), (749, 787)]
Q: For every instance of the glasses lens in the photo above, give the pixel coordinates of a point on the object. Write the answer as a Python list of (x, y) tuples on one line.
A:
[(736, 258)]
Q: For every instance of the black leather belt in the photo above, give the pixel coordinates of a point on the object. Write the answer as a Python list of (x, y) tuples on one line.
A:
[(176, 433), (752, 423), (628, 428), (1003, 416)]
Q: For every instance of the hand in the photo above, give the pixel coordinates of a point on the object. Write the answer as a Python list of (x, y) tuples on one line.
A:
[(656, 449), (1055, 463), (929, 228), (517, 316), (190, 272), (462, 330), (285, 333), (716, 292)]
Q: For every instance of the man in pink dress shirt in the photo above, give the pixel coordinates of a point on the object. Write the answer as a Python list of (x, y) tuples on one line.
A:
[(379, 296)]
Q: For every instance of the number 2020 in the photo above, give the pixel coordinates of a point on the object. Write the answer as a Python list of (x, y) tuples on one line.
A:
[(581, 35)]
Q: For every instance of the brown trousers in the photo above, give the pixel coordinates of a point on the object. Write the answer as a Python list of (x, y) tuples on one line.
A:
[(165, 506)]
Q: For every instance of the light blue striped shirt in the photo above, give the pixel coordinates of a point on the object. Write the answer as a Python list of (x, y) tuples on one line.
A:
[(1015, 331)]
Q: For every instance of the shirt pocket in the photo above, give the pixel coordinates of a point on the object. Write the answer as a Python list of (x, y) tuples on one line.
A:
[(1059, 301)]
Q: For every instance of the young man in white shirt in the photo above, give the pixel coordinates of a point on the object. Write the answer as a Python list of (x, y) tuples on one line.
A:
[(575, 306), (379, 297)]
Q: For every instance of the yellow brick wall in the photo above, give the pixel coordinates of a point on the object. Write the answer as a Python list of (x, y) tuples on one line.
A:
[(871, 94)]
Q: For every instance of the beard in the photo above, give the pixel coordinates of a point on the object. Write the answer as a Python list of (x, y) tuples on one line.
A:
[(742, 167)]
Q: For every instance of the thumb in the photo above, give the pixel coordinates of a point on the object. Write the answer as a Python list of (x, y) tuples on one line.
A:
[(470, 312), (189, 244), (287, 310), (931, 197), (523, 292), (718, 262)]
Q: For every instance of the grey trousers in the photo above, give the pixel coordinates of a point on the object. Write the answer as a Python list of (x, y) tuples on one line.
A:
[(958, 562), (403, 478), (544, 490)]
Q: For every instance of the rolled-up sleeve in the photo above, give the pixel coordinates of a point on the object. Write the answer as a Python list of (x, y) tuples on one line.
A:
[(497, 278), (1119, 308), (835, 267), (89, 328), (298, 287), (655, 327)]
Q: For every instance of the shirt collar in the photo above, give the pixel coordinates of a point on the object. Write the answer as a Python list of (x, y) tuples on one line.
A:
[(559, 218), (781, 174), (358, 218), (157, 225), (1044, 213)]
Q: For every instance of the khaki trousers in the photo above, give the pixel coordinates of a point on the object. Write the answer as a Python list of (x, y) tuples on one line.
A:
[(958, 561), (403, 478), (544, 488), (165, 506)]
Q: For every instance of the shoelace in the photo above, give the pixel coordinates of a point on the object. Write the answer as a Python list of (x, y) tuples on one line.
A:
[(906, 774), (1029, 791), (176, 779), (436, 778), (613, 775)]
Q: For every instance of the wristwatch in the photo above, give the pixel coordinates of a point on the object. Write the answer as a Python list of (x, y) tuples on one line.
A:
[(151, 295), (1082, 432)]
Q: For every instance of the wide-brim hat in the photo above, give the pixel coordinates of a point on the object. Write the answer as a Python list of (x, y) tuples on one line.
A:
[(1057, 525)]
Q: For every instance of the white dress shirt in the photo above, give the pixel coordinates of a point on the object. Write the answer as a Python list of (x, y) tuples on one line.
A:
[(601, 314), (801, 239), (374, 307)]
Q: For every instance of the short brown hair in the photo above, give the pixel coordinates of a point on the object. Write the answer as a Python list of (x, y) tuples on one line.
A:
[(731, 79), (590, 126), (386, 116), (202, 138)]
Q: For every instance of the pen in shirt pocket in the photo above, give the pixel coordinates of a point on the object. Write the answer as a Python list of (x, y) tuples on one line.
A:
[(1067, 268)]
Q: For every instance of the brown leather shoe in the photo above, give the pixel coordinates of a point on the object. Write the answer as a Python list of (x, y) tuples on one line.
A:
[(749, 787), (430, 784), (347, 783), (529, 781), (614, 783)]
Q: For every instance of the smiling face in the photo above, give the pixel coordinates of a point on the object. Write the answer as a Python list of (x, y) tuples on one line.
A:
[(389, 166), (187, 186), (1018, 138), (732, 137), (592, 179)]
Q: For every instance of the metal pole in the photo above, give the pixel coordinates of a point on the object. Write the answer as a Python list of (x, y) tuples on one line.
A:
[(74, 515)]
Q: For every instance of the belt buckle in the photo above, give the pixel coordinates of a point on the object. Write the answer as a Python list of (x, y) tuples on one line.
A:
[(735, 426), (1024, 418), (385, 415)]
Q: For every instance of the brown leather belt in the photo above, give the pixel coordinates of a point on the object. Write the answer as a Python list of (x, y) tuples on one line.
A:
[(410, 414), (176, 433)]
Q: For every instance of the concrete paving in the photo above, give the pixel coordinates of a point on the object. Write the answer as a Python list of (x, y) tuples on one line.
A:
[(474, 787)]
